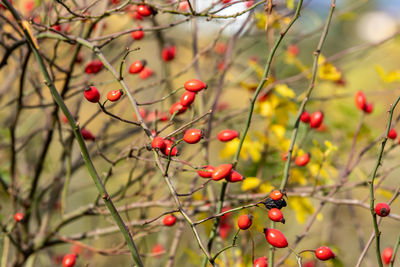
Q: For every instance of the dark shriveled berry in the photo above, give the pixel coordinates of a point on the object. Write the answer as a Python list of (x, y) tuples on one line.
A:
[(278, 204)]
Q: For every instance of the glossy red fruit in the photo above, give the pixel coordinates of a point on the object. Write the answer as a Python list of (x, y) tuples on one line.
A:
[(276, 195), (275, 238), (260, 262), (244, 222), (169, 220), (195, 85), (168, 53), (225, 1), (360, 100), (234, 177), (369, 108), (221, 172), (324, 253), (145, 73), (206, 171), (92, 94), (94, 67), (382, 209), (18, 216), (87, 135), (387, 254), (309, 264), (276, 215), (114, 95), (302, 160), (316, 119), (392, 134), (69, 260), (177, 107), (227, 135), (144, 10), (168, 148), (187, 98), (137, 66), (305, 117), (158, 143), (137, 35), (192, 136)]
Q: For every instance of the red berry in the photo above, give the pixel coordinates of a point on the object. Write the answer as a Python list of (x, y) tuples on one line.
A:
[(29, 5), (168, 53), (234, 177), (260, 262), (225, 1), (18, 216), (387, 255), (137, 35), (94, 67), (206, 171), (392, 134), (227, 135), (144, 10), (183, 6), (224, 230), (168, 147), (221, 172), (69, 260), (87, 135), (369, 108), (187, 98), (276, 215), (195, 85), (293, 50), (158, 250), (305, 117), (360, 100), (276, 195), (309, 264), (158, 142), (169, 220), (137, 66), (92, 94), (192, 136), (302, 160), (316, 119), (245, 221), (145, 73), (275, 238), (382, 209), (114, 95), (324, 253), (177, 107)]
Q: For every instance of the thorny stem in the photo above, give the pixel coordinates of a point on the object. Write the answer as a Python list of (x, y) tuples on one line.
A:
[(371, 185), (24, 25), (396, 247), (249, 116), (317, 52)]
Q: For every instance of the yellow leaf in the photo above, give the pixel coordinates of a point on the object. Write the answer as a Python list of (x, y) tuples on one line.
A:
[(250, 183), (392, 76), (302, 207), (266, 187), (278, 130), (284, 91), (384, 193), (297, 176), (329, 72)]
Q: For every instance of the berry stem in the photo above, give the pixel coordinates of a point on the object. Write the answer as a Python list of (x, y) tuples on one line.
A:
[(317, 52), (371, 185), (396, 247)]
